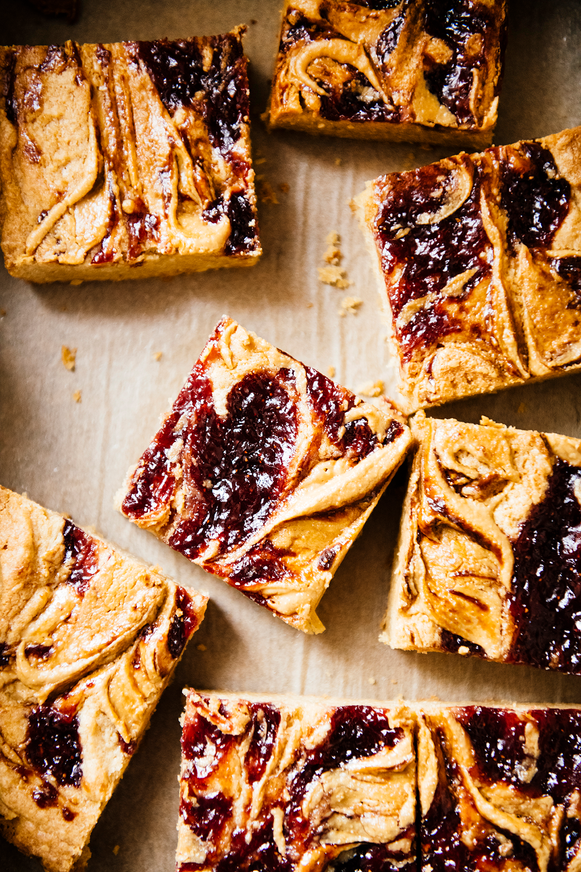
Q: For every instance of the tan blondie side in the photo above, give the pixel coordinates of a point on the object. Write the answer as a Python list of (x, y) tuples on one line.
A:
[(295, 783), (126, 160), (89, 639), (480, 257), (405, 72), (264, 472), (487, 562)]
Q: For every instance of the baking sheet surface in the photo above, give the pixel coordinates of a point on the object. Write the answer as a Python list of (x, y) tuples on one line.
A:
[(72, 456)]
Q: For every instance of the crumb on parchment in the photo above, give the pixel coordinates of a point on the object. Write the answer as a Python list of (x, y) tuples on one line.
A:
[(265, 192), (284, 187), (336, 276), (350, 305), (77, 396), (331, 370), (69, 357), (374, 389), (202, 647), (157, 355)]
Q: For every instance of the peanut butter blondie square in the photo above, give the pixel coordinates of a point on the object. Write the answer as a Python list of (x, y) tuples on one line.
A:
[(126, 160), (410, 70), (489, 559), (499, 788), (89, 638), (288, 783), (264, 472), (481, 260)]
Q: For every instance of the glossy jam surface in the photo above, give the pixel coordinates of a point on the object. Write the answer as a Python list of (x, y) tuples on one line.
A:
[(420, 258), (474, 33), (207, 75), (82, 552), (444, 849), (535, 199), (329, 402), (240, 462), (546, 583), (53, 746), (355, 731), (4, 655), (183, 624)]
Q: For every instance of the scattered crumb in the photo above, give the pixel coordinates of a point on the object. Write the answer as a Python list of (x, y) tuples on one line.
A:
[(521, 409), (116, 849), (68, 357), (202, 647), (76, 282), (333, 255), (334, 275), (259, 160), (157, 355), (371, 390), (394, 680), (350, 305), (2, 313), (338, 161), (64, 308), (284, 187), (253, 21), (372, 681), (265, 192), (77, 396), (463, 650), (331, 372), (310, 305)]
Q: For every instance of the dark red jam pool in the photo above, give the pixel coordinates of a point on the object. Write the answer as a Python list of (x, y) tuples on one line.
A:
[(429, 255), (81, 551), (53, 748)]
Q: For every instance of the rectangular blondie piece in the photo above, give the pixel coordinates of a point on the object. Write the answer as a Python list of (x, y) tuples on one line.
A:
[(126, 160), (294, 783), (89, 639), (489, 558), (407, 70), (264, 472), (480, 256)]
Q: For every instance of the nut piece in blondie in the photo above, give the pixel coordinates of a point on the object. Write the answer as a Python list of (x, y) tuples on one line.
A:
[(480, 256), (499, 788), (407, 70), (296, 783), (489, 557), (264, 472), (126, 160), (89, 639)]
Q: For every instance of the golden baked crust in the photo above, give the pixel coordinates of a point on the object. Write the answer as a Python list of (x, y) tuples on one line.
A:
[(126, 160), (89, 639), (403, 71), (481, 259), (489, 561), (264, 472), (295, 783), (499, 788)]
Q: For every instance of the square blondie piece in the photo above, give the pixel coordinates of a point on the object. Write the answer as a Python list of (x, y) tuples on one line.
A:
[(264, 472), (499, 788), (126, 160), (89, 639), (489, 559), (480, 256), (289, 783), (408, 70)]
